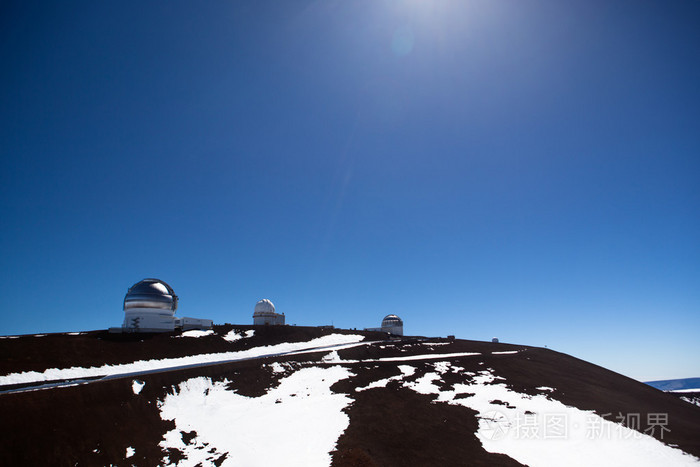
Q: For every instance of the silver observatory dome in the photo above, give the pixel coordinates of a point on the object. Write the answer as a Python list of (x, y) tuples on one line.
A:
[(151, 293), (391, 320)]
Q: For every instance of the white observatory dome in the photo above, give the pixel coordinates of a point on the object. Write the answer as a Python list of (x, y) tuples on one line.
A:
[(264, 306), (264, 314), (151, 293)]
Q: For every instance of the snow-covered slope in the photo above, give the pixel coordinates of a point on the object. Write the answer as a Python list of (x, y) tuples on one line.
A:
[(343, 398)]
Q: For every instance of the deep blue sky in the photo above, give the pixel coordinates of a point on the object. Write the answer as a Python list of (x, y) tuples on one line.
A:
[(522, 169)]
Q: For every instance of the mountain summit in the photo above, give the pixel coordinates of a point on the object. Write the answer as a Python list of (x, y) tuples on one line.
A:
[(288, 395)]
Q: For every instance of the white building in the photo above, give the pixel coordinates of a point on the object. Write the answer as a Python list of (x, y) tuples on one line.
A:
[(149, 306), (391, 324), (264, 313)]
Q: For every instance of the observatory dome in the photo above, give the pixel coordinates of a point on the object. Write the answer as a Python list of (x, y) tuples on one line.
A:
[(265, 314), (391, 320), (151, 293), (264, 306)]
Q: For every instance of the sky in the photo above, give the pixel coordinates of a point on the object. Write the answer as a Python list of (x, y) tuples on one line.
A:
[(527, 170)]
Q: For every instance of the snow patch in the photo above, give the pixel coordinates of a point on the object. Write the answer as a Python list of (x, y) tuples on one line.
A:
[(442, 367), (406, 370), (336, 347), (539, 431), (196, 333), (691, 400), (295, 424), (423, 357), (277, 367), (331, 357), (407, 358), (233, 336), (137, 385), (167, 363)]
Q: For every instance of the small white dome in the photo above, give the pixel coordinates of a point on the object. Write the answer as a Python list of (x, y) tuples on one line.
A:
[(264, 306)]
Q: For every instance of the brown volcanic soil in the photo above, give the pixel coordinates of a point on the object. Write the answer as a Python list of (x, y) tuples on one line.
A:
[(96, 348), (397, 426), (94, 424)]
